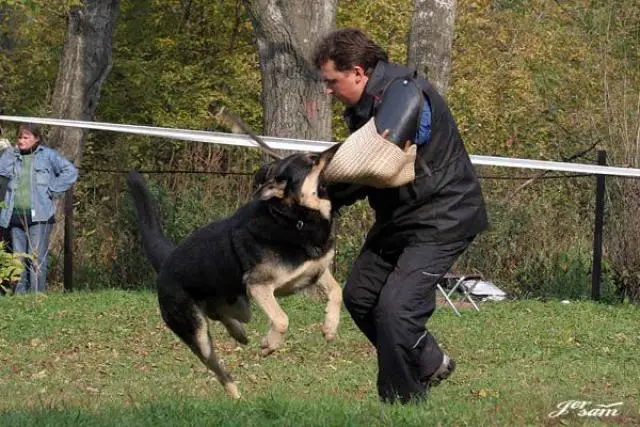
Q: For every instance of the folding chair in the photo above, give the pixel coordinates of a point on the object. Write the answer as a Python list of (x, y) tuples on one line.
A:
[(460, 287)]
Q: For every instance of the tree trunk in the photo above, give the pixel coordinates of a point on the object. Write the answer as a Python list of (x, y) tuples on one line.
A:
[(430, 40), (6, 45), (84, 65), (293, 98)]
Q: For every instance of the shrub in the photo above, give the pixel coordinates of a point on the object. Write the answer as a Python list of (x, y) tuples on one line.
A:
[(11, 268)]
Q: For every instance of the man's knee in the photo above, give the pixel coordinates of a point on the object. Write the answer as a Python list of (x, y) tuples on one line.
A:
[(390, 312)]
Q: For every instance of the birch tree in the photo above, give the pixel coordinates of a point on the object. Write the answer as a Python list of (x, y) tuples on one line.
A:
[(430, 40)]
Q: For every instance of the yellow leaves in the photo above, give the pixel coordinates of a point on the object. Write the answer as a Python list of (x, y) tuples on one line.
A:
[(39, 375), (533, 57), (484, 393), (165, 43)]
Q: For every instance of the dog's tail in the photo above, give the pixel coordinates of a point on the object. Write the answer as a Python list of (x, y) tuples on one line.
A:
[(155, 244)]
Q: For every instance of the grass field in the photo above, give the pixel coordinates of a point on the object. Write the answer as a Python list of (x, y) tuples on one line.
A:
[(106, 358)]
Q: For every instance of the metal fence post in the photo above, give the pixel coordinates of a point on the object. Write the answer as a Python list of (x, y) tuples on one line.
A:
[(597, 232), (68, 240)]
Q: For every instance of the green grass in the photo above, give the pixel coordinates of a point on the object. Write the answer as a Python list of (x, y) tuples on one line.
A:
[(107, 359)]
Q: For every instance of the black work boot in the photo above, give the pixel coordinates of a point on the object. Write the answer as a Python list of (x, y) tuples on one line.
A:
[(443, 372)]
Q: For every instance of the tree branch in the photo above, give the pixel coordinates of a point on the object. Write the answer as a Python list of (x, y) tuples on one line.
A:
[(540, 175)]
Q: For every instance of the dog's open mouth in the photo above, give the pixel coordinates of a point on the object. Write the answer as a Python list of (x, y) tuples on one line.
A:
[(298, 179)]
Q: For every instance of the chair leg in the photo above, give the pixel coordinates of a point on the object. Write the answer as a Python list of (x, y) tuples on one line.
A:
[(446, 297), (473, 303), (467, 290)]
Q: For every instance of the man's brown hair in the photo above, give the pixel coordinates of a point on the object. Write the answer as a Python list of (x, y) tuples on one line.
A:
[(347, 48)]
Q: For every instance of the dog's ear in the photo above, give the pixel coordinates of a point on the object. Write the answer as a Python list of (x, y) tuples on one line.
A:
[(272, 188), (263, 174), (327, 155)]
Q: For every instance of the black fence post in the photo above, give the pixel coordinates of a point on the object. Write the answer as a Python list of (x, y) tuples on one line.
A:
[(597, 232), (68, 240)]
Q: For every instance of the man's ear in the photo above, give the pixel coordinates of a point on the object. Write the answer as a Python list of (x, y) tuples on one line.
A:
[(272, 188), (359, 72)]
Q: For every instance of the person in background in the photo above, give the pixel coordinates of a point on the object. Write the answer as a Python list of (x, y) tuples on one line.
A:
[(420, 228), (5, 238), (4, 142), (37, 176)]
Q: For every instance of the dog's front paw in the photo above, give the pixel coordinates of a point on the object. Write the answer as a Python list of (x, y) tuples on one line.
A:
[(330, 326), (232, 390), (329, 332), (271, 342)]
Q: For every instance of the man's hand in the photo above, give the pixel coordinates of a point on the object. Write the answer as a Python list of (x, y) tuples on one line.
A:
[(385, 133)]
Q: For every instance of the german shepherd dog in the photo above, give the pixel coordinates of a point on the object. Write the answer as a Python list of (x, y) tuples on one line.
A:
[(275, 245)]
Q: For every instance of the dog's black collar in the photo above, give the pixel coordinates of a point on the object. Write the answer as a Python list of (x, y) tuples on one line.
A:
[(297, 215)]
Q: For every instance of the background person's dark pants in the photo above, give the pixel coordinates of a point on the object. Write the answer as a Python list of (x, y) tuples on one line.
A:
[(390, 296)]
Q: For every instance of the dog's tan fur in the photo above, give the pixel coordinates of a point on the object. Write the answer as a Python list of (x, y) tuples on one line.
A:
[(272, 279)]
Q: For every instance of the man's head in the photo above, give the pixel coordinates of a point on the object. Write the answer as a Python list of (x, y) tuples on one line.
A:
[(346, 58)]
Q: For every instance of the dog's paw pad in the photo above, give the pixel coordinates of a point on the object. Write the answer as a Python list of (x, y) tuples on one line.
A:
[(267, 348), (266, 351), (271, 342), (329, 336), (329, 333), (232, 390)]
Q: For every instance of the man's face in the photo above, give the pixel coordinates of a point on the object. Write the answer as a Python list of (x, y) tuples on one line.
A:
[(347, 86)]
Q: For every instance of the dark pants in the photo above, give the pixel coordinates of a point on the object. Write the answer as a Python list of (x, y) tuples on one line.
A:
[(390, 296)]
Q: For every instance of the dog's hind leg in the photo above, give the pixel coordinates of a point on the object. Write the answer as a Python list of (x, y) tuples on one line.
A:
[(266, 300), (235, 329), (333, 292), (203, 347), (189, 323), (236, 307), (232, 313)]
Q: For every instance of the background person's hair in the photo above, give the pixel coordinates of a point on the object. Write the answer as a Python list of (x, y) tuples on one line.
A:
[(347, 48), (33, 129)]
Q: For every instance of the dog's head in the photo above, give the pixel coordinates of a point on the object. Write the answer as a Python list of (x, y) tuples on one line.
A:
[(296, 179)]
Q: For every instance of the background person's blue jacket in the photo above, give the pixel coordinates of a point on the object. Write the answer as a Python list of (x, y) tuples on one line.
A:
[(51, 176)]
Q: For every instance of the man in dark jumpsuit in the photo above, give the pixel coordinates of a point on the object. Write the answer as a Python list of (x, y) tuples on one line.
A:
[(420, 228)]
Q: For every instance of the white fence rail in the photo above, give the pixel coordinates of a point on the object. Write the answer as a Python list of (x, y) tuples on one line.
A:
[(310, 145)]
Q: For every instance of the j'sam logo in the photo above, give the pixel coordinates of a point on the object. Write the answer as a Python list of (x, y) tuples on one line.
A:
[(583, 408)]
